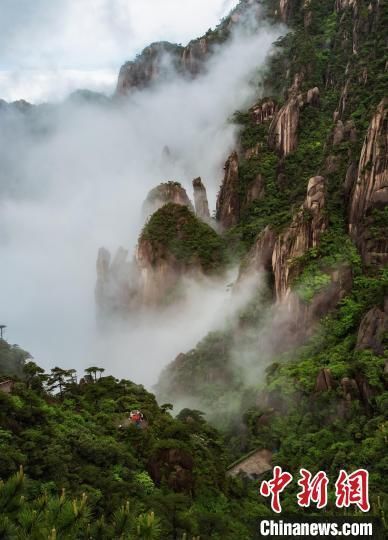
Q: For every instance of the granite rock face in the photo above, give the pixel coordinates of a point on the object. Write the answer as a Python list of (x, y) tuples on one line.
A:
[(303, 233), (167, 192), (373, 329), (228, 200), (369, 192), (200, 200)]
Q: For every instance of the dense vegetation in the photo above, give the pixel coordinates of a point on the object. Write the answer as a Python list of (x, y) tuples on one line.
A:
[(166, 480), (174, 229), (227, 373)]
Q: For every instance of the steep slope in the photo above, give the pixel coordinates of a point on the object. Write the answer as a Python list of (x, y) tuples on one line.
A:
[(321, 130), (162, 60)]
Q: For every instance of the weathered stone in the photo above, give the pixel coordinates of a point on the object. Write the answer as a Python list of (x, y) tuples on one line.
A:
[(370, 190), (366, 392), (304, 233), (350, 178), (228, 200), (168, 192), (313, 96), (200, 200), (284, 128), (259, 258), (156, 62), (286, 9), (332, 164), (194, 55), (6, 386), (373, 327), (255, 191), (324, 381), (264, 111), (254, 151), (349, 388), (338, 133)]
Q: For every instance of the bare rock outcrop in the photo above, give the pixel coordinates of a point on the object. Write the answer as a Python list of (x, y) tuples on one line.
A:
[(324, 381), (194, 55), (283, 131), (373, 328), (228, 200), (157, 61), (163, 60), (168, 192), (299, 315), (303, 234), (259, 258), (286, 8), (313, 96), (254, 191), (370, 191), (264, 111), (284, 127), (344, 132), (200, 200)]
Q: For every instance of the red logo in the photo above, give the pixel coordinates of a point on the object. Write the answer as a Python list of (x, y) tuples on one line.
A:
[(353, 489), (313, 489), (349, 489), (275, 486)]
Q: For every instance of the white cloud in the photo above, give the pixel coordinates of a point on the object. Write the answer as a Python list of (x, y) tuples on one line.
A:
[(38, 86), (67, 190)]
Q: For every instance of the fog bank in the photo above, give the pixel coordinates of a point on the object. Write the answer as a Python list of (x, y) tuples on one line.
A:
[(74, 177)]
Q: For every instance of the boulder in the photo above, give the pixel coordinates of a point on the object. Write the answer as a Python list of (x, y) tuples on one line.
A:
[(284, 127)]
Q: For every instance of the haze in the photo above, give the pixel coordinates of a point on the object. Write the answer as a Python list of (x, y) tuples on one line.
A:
[(74, 178)]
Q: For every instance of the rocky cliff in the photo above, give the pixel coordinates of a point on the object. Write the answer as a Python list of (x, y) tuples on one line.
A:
[(303, 234), (168, 192), (156, 62), (161, 60), (369, 196), (200, 200), (228, 201)]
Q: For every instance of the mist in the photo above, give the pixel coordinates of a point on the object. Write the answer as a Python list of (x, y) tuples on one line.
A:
[(74, 177)]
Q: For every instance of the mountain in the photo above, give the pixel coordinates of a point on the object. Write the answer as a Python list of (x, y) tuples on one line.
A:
[(300, 373), (304, 201)]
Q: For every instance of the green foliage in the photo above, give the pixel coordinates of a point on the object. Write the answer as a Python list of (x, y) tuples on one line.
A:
[(72, 441), (12, 359), (174, 229)]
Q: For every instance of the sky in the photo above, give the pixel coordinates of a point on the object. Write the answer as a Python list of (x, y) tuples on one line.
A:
[(48, 48)]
